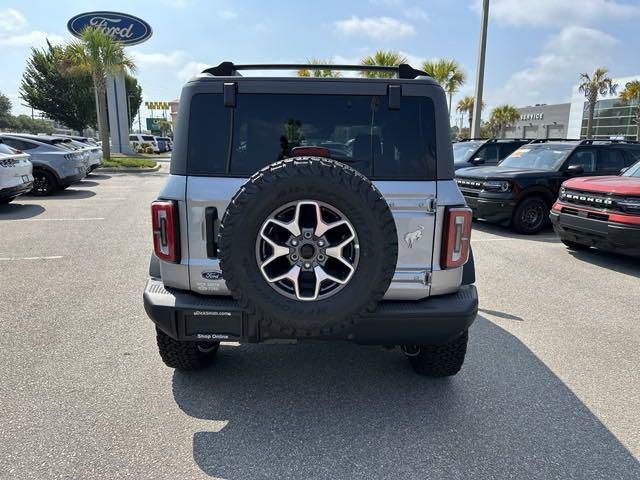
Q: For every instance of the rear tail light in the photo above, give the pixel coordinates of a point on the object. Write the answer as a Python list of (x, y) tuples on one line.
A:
[(315, 151), (457, 237), (166, 235)]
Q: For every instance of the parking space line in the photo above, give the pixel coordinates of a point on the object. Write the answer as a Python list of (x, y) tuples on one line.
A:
[(53, 257), (89, 219)]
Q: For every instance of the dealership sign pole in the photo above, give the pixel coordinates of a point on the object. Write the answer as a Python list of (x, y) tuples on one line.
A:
[(127, 30)]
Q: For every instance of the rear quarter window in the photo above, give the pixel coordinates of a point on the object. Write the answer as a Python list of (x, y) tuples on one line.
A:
[(359, 130)]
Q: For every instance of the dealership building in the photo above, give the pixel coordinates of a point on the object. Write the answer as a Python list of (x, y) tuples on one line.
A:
[(612, 119), (541, 121)]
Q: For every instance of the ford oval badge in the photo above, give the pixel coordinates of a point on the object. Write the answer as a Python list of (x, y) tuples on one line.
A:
[(212, 275), (124, 28)]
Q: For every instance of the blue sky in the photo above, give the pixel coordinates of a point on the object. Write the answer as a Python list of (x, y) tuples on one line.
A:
[(536, 48)]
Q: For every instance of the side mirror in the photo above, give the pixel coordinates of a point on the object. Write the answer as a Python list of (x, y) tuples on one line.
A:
[(575, 170), (622, 170), (477, 161)]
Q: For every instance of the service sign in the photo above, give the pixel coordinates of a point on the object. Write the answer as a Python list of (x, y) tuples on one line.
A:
[(126, 29)]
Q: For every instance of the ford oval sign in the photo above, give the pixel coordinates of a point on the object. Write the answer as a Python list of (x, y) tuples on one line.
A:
[(126, 29)]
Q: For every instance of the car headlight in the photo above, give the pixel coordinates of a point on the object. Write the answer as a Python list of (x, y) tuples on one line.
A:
[(631, 205), (497, 186)]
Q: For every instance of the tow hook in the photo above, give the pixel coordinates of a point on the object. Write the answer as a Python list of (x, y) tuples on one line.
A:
[(410, 350)]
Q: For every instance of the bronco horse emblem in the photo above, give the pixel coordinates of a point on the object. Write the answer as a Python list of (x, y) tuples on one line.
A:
[(413, 237)]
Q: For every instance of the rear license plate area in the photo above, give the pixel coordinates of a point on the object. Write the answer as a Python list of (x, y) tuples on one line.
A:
[(207, 325)]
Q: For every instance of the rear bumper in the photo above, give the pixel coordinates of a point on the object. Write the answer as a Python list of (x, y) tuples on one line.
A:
[(437, 320), (71, 179), (16, 190), (611, 236), (498, 210)]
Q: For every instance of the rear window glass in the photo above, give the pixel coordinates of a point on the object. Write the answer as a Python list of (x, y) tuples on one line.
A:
[(147, 138), (358, 130)]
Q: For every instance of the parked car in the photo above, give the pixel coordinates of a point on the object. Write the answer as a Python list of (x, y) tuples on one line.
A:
[(486, 152), (162, 144), (137, 140), (16, 173), (168, 144), (56, 165), (258, 238), (520, 190), (601, 212), (94, 150)]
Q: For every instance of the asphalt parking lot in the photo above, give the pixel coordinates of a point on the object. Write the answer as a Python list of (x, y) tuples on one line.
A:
[(550, 388)]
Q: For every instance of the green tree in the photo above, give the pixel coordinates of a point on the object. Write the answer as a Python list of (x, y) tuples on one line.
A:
[(5, 110), (69, 99), (164, 126), (97, 54), (447, 73), (593, 85), (324, 73), (631, 95), (502, 117), (465, 105), (24, 123), (384, 58)]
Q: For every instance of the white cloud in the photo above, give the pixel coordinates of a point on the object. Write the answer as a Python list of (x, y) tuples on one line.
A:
[(375, 27), (557, 12), (227, 14), (30, 39), (191, 69), (549, 76), (415, 13), (168, 59), (11, 20)]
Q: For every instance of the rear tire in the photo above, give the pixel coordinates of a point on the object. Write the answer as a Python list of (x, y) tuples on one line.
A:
[(440, 360), (531, 216), (44, 183), (575, 245), (185, 355)]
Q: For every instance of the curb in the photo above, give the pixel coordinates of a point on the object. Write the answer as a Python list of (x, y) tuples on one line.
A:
[(128, 170)]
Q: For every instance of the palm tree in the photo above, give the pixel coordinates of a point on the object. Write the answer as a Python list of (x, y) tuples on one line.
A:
[(97, 54), (465, 105), (631, 94), (502, 117), (325, 73), (164, 126), (447, 73), (384, 58), (592, 86)]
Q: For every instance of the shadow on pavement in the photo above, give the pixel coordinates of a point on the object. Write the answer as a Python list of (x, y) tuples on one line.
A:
[(69, 194), (20, 211), (610, 260), (346, 411), (506, 316), (87, 183), (99, 176), (546, 235)]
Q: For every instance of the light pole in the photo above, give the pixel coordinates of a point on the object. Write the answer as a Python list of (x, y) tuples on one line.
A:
[(477, 104)]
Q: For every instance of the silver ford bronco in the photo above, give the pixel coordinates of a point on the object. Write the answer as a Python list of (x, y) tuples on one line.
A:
[(312, 209)]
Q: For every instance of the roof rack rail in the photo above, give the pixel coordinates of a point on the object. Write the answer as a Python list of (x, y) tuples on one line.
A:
[(554, 139), (229, 69), (591, 141)]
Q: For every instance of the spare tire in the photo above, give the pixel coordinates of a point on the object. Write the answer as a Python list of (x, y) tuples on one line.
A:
[(307, 246)]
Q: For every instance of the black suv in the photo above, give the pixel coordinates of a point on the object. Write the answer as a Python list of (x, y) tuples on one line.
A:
[(520, 191), (476, 152)]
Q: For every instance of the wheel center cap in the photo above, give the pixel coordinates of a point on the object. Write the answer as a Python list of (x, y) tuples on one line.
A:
[(307, 251)]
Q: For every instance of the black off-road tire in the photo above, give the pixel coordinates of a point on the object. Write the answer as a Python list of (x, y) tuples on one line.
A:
[(185, 355), (575, 245), (441, 360), (521, 225), (315, 179), (44, 183)]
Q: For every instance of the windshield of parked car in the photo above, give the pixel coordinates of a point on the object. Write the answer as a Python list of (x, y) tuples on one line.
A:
[(148, 138), (462, 151), (546, 156), (634, 170)]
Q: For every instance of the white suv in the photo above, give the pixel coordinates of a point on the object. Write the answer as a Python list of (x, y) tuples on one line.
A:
[(16, 173), (55, 165), (137, 139)]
